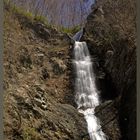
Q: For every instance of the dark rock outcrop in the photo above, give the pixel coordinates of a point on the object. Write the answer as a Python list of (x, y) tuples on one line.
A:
[(110, 33)]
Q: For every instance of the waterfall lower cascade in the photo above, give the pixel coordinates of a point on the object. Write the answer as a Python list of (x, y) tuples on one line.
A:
[(86, 93)]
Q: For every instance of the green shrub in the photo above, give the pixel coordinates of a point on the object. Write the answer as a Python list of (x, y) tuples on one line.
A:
[(71, 30)]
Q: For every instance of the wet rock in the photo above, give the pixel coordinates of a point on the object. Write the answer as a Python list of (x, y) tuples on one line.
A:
[(107, 114)]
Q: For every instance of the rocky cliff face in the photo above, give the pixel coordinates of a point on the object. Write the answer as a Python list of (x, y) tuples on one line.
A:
[(38, 98), (110, 32), (38, 77)]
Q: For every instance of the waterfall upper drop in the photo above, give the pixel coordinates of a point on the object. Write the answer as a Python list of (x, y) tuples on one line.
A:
[(78, 35), (86, 93)]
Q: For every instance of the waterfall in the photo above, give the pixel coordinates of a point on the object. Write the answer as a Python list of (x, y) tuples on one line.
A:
[(86, 93), (78, 35)]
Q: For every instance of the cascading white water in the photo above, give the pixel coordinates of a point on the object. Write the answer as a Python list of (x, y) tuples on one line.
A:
[(86, 93)]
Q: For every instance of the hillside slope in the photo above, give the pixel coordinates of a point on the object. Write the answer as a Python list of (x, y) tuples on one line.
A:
[(38, 98)]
